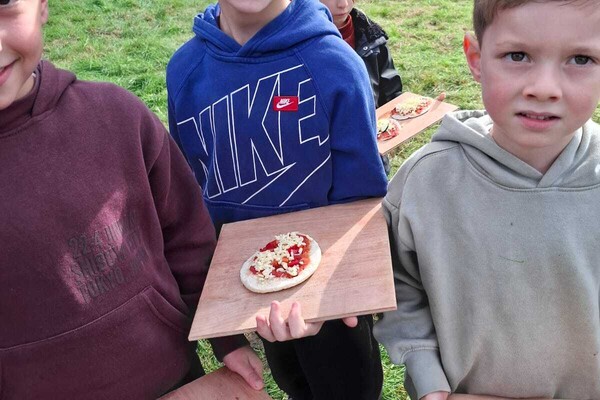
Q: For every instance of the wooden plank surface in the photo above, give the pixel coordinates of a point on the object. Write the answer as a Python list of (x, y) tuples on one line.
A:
[(413, 126), (221, 384), (354, 277)]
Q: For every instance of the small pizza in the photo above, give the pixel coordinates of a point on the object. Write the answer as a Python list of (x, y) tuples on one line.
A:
[(412, 108), (285, 262), (387, 128)]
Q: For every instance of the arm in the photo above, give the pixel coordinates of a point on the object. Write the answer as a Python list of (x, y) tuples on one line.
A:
[(390, 83), (408, 333), (347, 97), (233, 351), (188, 234)]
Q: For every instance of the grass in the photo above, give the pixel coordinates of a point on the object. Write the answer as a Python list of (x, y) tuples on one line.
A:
[(129, 42)]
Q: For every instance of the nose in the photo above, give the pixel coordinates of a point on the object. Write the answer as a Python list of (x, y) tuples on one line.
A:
[(543, 83), (343, 4)]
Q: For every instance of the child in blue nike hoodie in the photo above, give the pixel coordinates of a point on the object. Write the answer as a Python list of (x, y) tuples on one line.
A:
[(274, 113)]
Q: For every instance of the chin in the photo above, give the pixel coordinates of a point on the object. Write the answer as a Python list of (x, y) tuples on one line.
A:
[(249, 7)]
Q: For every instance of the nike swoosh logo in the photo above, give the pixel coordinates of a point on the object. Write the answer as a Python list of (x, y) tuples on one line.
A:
[(283, 104)]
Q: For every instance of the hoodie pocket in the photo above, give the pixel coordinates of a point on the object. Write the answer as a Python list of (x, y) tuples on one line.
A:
[(165, 312), (137, 351)]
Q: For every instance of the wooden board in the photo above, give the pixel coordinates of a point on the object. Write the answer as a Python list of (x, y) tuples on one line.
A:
[(354, 277), (221, 384), (412, 126)]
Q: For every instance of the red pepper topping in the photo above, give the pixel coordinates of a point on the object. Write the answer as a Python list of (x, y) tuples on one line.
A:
[(271, 245)]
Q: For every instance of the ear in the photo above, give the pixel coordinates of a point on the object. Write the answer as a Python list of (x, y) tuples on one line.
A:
[(473, 54), (44, 11)]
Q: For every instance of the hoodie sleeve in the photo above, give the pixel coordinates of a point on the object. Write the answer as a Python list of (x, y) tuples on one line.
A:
[(408, 333), (189, 236), (222, 345), (345, 94), (188, 231)]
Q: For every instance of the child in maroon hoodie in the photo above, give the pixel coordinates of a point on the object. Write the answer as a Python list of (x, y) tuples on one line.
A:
[(104, 239)]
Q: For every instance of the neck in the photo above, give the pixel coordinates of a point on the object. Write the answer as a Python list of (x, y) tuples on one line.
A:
[(541, 158), (344, 23), (242, 25)]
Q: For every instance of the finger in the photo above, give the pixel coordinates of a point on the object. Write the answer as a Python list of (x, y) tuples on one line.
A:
[(251, 376), (263, 329), (296, 322), (350, 322), (298, 326), (257, 365), (277, 323)]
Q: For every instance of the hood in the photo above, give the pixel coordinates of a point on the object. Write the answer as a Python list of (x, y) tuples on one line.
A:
[(577, 166), (50, 85), (296, 24)]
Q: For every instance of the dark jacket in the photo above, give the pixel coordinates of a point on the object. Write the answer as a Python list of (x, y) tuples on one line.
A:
[(371, 46)]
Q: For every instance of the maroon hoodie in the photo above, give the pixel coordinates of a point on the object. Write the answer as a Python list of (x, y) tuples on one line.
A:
[(104, 245)]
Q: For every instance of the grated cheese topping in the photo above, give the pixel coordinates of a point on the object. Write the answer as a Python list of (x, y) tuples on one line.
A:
[(412, 106), (265, 262)]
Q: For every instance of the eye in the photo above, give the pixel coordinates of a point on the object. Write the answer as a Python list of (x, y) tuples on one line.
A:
[(580, 60), (8, 2), (516, 56)]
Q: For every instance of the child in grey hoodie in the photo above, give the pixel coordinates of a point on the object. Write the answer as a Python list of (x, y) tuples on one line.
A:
[(494, 224)]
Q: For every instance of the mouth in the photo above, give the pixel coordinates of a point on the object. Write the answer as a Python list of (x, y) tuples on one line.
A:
[(5, 72), (537, 122), (538, 116), (6, 66)]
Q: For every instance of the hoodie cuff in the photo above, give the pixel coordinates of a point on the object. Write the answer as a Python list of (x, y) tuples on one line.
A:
[(224, 345), (426, 372)]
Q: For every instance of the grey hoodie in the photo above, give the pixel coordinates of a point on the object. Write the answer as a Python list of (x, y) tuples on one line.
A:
[(497, 267)]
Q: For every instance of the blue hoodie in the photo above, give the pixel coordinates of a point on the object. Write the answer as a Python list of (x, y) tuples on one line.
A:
[(283, 123)]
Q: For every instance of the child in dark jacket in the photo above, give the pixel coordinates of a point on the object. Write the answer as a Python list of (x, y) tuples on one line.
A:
[(369, 40)]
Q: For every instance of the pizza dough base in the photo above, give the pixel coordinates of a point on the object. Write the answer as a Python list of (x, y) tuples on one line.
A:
[(396, 131), (254, 284), (409, 116)]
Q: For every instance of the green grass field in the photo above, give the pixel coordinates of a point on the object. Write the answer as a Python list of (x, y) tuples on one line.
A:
[(129, 42)]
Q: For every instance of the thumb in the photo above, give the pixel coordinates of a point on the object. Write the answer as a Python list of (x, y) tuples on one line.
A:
[(257, 366), (350, 322), (252, 373)]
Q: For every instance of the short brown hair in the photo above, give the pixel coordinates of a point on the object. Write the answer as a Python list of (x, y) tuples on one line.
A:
[(484, 11)]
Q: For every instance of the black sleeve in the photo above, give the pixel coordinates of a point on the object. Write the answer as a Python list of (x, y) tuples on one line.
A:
[(390, 83)]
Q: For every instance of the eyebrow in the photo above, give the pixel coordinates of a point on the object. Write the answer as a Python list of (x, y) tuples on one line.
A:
[(586, 49), (511, 43)]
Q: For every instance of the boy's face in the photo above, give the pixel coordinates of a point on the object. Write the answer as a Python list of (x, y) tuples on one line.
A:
[(20, 46), (340, 9), (539, 69)]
